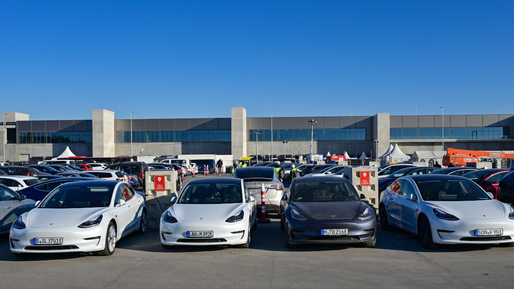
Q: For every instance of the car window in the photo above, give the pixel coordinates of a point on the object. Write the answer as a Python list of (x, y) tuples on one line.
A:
[(495, 179), (135, 169), (323, 191), (7, 195), (450, 190), (211, 194), (408, 189)]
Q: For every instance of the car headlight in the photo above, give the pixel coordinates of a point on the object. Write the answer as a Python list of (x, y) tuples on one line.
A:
[(236, 218), (18, 224), (444, 216), (91, 223), (297, 216), (511, 213), (367, 214), (168, 218)]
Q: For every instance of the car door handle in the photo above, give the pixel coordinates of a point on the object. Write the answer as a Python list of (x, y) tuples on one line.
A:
[(8, 208)]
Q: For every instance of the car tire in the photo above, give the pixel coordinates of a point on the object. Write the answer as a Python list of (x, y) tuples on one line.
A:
[(369, 244), (110, 241), (143, 225), (425, 234), (282, 223), (254, 227), (287, 239), (382, 214)]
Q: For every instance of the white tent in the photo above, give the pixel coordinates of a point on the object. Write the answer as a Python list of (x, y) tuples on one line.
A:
[(346, 155), (387, 152), (363, 156), (65, 154), (430, 157), (397, 156)]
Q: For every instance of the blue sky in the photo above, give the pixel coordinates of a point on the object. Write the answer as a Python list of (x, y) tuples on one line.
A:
[(197, 59)]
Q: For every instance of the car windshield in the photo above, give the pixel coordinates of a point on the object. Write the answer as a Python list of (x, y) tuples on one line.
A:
[(323, 191), (450, 190), (30, 182), (211, 194), (477, 176), (79, 196)]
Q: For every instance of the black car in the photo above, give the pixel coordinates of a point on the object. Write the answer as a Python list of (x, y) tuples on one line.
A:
[(45, 169), (456, 171), (505, 192), (21, 171), (410, 171), (314, 169), (39, 191), (132, 168), (326, 210)]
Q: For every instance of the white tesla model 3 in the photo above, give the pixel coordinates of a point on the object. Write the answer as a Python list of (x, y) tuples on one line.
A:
[(214, 211), (443, 209), (88, 216)]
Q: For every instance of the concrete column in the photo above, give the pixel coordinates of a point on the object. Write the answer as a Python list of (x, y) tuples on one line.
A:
[(239, 132), (103, 133), (382, 133)]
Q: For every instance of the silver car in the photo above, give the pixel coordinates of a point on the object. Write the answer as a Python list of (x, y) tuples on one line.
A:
[(255, 177), (12, 205)]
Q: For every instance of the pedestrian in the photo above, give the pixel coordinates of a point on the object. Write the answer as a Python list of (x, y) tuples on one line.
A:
[(219, 164)]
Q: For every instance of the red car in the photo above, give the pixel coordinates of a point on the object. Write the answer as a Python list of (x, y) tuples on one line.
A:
[(488, 179), (84, 167)]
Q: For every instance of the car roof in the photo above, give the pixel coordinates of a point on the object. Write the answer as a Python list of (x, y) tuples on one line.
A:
[(428, 177), (320, 179), (17, 177)]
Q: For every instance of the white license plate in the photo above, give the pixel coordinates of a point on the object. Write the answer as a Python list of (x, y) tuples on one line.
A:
[(48, 241), (334, 232), (488, 232), (200, 234)]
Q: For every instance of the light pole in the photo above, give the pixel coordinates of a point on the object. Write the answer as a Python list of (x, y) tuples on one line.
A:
[(131, 134), (312, 122), (4, 135), (257, 134), (285, 148), (271, 158), (442, 124)]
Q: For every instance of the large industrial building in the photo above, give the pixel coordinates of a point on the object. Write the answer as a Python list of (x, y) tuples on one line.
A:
[(105, 136)]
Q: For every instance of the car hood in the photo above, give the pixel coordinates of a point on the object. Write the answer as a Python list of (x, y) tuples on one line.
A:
[(330, 210), (60, 218), (209, 213), (490, 209)]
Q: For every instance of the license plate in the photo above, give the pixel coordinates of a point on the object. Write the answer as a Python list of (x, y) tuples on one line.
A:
[(48, 241), (200, 234), (488, 232), (334, 232)]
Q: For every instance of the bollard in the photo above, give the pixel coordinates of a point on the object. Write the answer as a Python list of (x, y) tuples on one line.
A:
[(263, 218)]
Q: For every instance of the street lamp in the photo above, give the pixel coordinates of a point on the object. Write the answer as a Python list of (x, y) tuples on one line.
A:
[(312, 122), (131, 134), (257, 134), (271, 159), (442, 125), (4, 135)]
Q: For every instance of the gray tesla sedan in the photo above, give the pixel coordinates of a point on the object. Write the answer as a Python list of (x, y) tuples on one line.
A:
[(326, 210)]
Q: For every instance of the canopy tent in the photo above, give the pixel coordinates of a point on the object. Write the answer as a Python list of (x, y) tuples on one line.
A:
[(430, 157), (346, 155), (397, 156), (363, 156), (387, 152), (65, 154)]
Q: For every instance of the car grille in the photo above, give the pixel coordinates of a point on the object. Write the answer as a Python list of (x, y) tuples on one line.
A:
[(481, 239), (210, 240), (48, 248)]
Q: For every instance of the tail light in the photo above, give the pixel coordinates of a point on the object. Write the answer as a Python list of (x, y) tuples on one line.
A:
[(276, 187)]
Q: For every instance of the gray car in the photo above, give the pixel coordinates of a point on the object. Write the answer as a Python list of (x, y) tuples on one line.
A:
[(255, 177), (12, 205)]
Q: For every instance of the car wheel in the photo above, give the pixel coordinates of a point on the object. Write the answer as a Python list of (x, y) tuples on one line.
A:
[(425, 234), (248, 239), (143, 223), (369, 244), (287, 239), (110, 241), (384, 223), (254, 227)]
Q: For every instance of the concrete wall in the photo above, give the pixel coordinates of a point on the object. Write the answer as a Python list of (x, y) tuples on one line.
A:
[(239, 132), (103, 133), (381, 134)]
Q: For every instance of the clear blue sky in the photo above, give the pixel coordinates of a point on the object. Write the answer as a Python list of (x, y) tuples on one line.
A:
[(196, 59)]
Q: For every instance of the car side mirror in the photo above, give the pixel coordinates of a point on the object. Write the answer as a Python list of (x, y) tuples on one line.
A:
[(121, 203), (284, 197), (37, 203), (22, 197), (251, 199), (173, 199), (411, 197), (363, 197), (490, 195)]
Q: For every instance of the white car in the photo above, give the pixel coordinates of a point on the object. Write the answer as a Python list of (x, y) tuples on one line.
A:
[(18, 182), (97, 166), (214, 211), (445, 209), (88, 216)]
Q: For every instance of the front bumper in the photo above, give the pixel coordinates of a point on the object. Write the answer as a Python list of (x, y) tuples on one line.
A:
[(462, 232), (174, 234)]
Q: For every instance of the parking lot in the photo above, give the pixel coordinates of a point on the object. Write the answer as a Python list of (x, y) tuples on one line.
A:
[(397, 261)]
